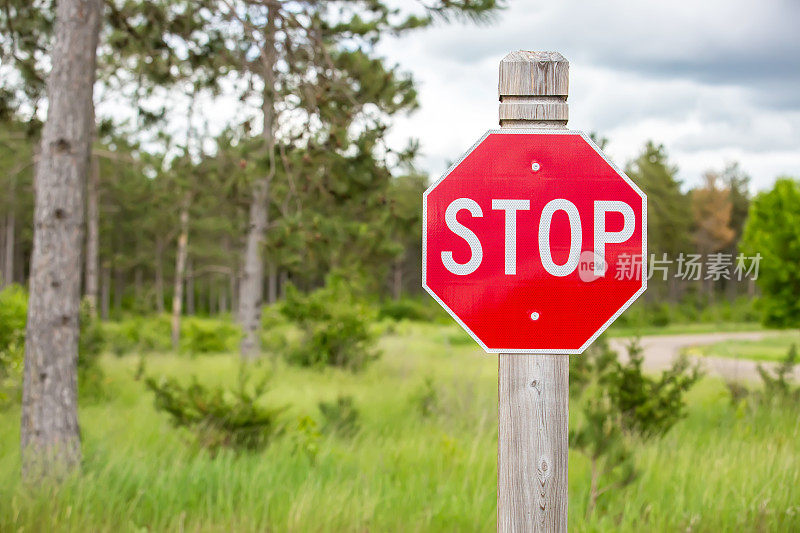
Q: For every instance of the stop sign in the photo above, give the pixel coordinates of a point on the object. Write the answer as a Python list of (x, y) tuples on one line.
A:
[(534, 242)]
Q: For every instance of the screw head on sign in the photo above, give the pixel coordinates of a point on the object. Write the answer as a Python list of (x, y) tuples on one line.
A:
[(535, 166), (534, 316)]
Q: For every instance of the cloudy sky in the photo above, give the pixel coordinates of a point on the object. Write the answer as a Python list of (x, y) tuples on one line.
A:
[(714, 81)]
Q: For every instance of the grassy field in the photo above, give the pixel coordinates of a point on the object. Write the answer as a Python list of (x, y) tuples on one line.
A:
[(720, 469), (771, 348), (682, 329)]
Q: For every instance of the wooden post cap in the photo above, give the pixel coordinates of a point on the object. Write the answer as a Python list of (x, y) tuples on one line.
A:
[(533, 90)]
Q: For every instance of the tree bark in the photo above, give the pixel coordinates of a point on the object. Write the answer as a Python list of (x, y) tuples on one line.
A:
[(251, 286), (138, 285), (180, 271), (272, 282), (105, 292), (223, 299), (8, 267), (212, 300), (3, 280), (92, 235), (119, 288), (234, 288), (283, 279), (397, 281), (159, 281), (190, 307), (50, 437)]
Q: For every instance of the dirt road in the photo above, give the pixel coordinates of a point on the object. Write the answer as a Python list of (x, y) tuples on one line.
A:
[(660, 350)]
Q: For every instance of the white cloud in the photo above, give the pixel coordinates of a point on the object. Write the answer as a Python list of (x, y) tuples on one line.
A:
[(713, 81)]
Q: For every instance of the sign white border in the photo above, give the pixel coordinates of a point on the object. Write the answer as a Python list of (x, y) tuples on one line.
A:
[(611, 164)]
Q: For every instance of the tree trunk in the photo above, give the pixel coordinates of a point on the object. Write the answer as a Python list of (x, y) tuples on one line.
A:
[(8, 267), (234, 288), (272, 282), (105, 292), (119, 288), (92, 235), (190, 310), (159, 282), (180, 271), (283, 279), (138, 286), (3, 280), (251, 287), (223, 299), (50, 438), (397, 281), (212, 300)]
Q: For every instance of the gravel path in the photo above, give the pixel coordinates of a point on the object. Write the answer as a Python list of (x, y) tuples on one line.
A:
[(660, 350)]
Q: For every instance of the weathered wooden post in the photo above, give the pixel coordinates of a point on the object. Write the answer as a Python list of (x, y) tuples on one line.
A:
[(533, 390)]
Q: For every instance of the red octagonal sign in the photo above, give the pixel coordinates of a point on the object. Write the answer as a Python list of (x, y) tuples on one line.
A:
[(534, 241)]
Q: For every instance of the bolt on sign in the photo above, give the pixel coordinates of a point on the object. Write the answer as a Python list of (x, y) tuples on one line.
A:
[(534, 241)]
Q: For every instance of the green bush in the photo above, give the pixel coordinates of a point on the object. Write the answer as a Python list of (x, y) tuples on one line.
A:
[(773, 231), (648, 406), (199, 336), (410, 309), (691, 309), (13, 316), (426, 398), (340, 417), (618, 404), (90, 345), (778, 388), (138, 334), (153, 334), (334, 324), (219, 417), (660, 315), (305, 437)]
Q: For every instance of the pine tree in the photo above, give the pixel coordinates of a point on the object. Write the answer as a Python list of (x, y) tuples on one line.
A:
[(711, 210), (50, 435), (669, 216), (312, 61)]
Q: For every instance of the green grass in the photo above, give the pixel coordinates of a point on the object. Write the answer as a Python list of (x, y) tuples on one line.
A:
[(683, 329), (771, 348), (721, 469)]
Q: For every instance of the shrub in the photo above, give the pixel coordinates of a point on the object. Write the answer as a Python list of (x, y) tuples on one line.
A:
[(200, 336), (599, 435), (140, 333), (777, 382), (738, 391), (772, 230), (618, 404), (601, 439), (13, 316), (90, 345), (659, 315), (777, 389), (334, 326), (340, 417), (426, 398), (305, 437), (407, 309), (648, 406), (218, 417)]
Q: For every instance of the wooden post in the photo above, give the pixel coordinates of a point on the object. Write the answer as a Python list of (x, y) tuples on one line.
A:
[(533, 390)]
